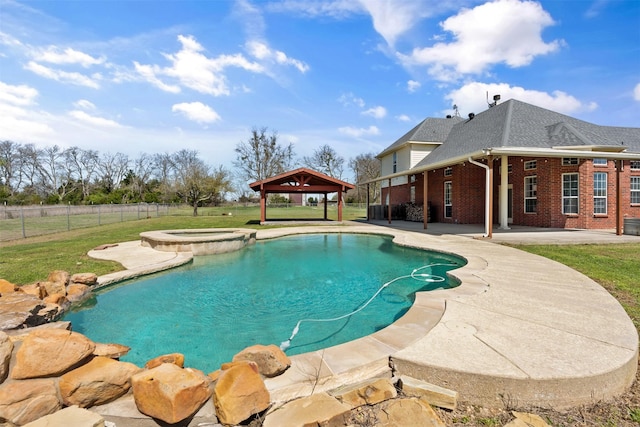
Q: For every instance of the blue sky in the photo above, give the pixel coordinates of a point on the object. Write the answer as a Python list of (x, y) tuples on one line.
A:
[(152, 76)]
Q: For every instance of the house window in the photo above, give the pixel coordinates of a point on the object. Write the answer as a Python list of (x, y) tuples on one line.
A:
[(413, 194), (635, 190), (570, 193), (530, 194), (509, 168), (569, 161), (600, 193), (530, 165), (448, 171), (600, 162), (395, 162), (635, 165), (447, 200)]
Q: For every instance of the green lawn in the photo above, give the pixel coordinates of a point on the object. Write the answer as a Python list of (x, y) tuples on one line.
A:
[(28, 260)]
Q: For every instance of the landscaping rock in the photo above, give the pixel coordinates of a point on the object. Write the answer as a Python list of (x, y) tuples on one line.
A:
[(24, 401), (52, 288), (409, 412), (6, 348), (170, 393), (18, 309), (270, 359), (173, 358), (98, 382), (16, 335), (113, 351), (240, 393), (317, 409), (34, 358), (58, 299), (434, 395), (526, 420), (369, 392), (35, 289), (89, 279), (7, 287), (69, 417), (78, 292), (59, 276)]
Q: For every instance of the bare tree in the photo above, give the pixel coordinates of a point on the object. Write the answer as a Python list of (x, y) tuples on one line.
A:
[(57, 178), (326, 160), (112, 169), (9, 157), (83, 163), (262, 157), (163, 171), (366, 167)]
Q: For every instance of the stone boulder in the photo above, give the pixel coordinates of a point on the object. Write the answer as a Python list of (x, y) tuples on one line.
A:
[(111, 350), (59, 276), (6, 348), (98, 382), (270, 359), (173, 358), (35, 289), (369, 392), (69, 417), (34, 357), (24, 401), (89, 279), (18, 309), (52, 288), (409, 412), (78, 292), (170, 393), (314, 410), (239, 393), (7, 287), (58, 299)]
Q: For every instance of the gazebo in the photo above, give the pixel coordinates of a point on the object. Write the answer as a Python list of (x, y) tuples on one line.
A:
[(301, 180)]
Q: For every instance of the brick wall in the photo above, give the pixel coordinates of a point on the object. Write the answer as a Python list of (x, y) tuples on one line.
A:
[(468, 184)]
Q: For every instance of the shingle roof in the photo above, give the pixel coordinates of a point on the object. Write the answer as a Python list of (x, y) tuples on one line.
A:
[(518, 124), (430, 129)]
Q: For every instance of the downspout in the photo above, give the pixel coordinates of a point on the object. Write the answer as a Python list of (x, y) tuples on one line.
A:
[(487, 198)]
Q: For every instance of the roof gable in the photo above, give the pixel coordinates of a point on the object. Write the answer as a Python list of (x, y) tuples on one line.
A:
[(430, 130), (300, 178)]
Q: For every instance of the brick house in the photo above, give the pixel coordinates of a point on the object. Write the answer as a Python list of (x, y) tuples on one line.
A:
[(515, 163)]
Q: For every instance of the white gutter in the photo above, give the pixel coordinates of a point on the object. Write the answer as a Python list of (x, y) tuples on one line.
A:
[(487, 192)]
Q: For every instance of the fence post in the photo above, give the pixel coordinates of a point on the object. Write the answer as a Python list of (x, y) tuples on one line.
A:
[(24, 234), (138, 209), (99, 215), (69, 217), (121, 211)]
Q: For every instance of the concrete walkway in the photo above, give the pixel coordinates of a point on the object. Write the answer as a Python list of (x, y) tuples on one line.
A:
[(520, 328)]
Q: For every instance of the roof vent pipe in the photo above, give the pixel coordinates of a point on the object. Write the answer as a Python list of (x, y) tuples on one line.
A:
[(487, 195), (471, 115)]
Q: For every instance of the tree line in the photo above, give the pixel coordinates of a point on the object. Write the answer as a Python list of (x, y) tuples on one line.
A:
[(52, 175)]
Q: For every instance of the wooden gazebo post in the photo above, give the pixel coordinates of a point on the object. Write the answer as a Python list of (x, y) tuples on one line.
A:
[(340, 204), (263, 204)]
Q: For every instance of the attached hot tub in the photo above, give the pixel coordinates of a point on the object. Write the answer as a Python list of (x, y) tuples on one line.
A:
[(199, 241)]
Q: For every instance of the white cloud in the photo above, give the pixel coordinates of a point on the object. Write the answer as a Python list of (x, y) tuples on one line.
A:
[(18, 123), (359, 132), (192, 69), (413, 86), (17, 95), (338, 9), (403, 118), (262, 51), (502, 31), (64, 76), (347, 99), (393, 18), (636, 92), (376, 112), (84, 104), (471, 98), (55, 55), (93, 120), (196, 111)]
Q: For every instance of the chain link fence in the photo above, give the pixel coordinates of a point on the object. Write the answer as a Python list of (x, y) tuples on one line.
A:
[(18, 222)]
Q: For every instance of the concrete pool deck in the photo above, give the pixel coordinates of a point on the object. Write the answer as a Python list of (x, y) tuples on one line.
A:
[(520, 329)]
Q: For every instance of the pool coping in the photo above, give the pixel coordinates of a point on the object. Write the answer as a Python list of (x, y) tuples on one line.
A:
[(519, 327)]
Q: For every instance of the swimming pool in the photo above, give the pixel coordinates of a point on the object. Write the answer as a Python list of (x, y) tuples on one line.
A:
[(218, 305)]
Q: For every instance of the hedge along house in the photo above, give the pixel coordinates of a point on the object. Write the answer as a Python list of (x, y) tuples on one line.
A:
[(515, 163)]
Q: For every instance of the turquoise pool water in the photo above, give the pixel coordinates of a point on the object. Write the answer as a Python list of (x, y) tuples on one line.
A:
[(213, 308)]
